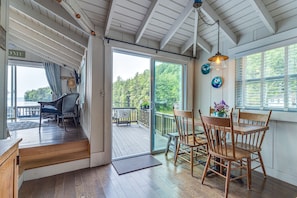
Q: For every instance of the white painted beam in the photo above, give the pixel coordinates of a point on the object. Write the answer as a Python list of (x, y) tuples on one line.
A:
[(44, 41), (264, 15), (49, 23), (187, 45), (200, 42), (110, 16), (195, 34), (204, 45), (79, 15), (180, 20), (213, 16), (29, 44), (48, 34), (146, 20), (55, 8)]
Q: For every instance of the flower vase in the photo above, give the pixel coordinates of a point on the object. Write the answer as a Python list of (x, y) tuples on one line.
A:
[(220, 114)]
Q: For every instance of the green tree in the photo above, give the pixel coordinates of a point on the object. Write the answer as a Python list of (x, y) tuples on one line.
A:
[(41, 94)]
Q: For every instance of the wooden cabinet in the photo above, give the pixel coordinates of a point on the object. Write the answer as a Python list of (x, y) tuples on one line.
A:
[(9, 153)]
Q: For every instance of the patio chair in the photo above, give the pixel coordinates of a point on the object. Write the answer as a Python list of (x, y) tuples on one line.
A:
[(61, 108)]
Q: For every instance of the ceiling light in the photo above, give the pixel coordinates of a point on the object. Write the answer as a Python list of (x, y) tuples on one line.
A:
[(218, 61)]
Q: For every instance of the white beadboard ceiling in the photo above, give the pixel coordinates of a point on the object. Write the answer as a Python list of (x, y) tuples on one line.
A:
[(51, 30)]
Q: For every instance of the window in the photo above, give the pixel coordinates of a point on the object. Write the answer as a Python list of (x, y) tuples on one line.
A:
[(268, 80)]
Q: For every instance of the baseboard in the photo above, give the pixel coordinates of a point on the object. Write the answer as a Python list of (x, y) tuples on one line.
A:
[(51, 170)]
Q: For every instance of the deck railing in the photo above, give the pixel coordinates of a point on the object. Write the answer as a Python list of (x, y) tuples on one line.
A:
[(23, 111), (164, 122)]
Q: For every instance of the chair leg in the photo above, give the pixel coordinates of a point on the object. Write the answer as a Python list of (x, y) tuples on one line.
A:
[(262, 164), (168, 145), (206, 168), (176, 153), (227, 182), (40, 121), (192, 160), (63, 121), (75, 123), (249, 173)]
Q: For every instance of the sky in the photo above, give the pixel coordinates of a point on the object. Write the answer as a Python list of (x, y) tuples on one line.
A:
[(29, 78), (126, 66)]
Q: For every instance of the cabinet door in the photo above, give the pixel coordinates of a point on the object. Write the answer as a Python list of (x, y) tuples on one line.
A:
[(8, 179)]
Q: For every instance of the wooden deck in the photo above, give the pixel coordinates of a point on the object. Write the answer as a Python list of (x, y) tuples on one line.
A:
[(134, 139)]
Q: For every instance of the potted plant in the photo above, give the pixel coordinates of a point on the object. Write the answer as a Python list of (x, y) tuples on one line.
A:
[(145, 105), (221, 109)]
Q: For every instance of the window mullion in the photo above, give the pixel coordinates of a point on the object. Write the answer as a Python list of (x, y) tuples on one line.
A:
[(262, 82), (286, 83)]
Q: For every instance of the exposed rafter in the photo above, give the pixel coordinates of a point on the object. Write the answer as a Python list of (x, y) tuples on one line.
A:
[(47, 34), (195, 33), (78, 14), (110, 16), (38, 50), (55, 8), (200, 42), (146, 20), (264, 15), (213, 16), (203, 44), (61, 50), (184, 15), (49, 23)]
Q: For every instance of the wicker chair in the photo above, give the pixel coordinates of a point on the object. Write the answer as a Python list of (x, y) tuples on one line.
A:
[(63, 107)]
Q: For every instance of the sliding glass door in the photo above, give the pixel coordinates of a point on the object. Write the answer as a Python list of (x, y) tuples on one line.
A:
[(144, 92), (167, 92)]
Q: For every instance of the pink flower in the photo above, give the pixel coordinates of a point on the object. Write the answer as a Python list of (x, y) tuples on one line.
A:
[(221, 107)]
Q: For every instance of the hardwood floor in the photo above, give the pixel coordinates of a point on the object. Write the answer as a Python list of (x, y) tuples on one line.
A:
[(50, 133), (165, 181), (52, 145)]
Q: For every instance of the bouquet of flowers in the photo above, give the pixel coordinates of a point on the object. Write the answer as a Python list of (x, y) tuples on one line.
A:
[(221, 107)]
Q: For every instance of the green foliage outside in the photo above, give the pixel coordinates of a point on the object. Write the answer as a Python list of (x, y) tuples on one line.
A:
[(271, 66), (135, 92), (41, 94)]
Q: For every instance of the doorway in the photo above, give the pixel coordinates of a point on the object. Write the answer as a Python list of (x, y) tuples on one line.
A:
[(144, 92), (23, 91)]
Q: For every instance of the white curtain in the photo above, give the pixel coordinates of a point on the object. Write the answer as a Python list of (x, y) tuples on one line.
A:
[(53, 74)]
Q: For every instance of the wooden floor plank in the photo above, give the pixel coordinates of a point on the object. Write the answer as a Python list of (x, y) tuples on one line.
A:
[(165, 180)]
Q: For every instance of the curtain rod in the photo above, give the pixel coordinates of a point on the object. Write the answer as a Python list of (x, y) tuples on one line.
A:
[(12, 59), (155, 49)]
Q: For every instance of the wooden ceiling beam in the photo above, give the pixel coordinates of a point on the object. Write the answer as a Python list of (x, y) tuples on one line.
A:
[(146, 20), (28, 11), (264, 15), (44, 41), (110, 16), (180, 20), (13, 16), (37, 48), (213, 16)]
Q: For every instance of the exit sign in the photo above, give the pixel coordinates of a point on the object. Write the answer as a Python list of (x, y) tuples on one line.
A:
[(17, 53)]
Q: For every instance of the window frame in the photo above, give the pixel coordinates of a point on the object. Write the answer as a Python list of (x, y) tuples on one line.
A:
[(241, 83)]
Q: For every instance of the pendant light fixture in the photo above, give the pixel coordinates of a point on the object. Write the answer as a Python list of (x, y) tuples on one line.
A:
[(218, 61)]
